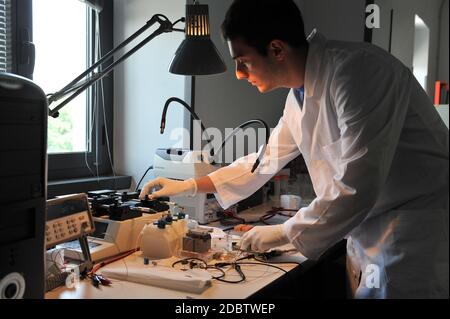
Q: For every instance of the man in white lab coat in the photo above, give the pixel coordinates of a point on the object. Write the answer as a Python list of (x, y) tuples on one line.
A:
[(376, 150)]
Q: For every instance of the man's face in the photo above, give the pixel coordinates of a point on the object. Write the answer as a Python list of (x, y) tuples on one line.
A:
[(258, 70)]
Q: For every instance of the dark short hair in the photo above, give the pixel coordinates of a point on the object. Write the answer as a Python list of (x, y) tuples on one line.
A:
[(258, 22)]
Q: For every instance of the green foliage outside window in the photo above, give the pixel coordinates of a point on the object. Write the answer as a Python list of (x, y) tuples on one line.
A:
[(60, 133)]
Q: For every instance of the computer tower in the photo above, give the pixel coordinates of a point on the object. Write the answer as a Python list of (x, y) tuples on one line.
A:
[(23, 187)]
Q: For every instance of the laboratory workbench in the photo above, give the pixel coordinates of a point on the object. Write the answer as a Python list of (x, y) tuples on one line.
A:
[(261, 281)]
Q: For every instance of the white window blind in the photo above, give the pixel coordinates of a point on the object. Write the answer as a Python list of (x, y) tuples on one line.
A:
[(5, 36)]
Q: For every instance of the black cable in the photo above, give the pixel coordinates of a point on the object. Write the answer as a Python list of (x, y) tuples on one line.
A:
[(238, 270), (275, 211), (187, 107), (250, 256), (277, 262), (271, 263), (235, 265), (228, 229), (188, 260), (229, 218), (219, 269), (192, 264), (140, 181), (179, 20), (214, 153), (265, 264), (204, 265)]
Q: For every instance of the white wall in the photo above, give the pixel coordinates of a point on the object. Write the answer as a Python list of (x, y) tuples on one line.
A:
[(443, 52), (143, 84), (403, 31), (421, 53)]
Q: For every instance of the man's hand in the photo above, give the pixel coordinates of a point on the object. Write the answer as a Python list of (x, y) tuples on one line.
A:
[(262, 238), (169, 187)]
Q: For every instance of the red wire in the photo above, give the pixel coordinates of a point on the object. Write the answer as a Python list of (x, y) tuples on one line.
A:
[(109, 261)]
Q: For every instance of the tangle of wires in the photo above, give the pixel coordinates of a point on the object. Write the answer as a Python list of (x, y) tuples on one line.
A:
[(260, 259), (230, 218), (274, 212)]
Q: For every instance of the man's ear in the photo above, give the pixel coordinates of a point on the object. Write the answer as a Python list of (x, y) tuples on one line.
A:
[(277, 49)]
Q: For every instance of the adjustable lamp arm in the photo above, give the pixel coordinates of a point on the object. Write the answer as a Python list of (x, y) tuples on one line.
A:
[(191, 111), (165, 26)]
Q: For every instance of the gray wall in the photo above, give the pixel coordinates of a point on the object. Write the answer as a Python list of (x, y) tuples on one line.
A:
[(338, 20), (224, 102), (143, 84), (403, 31)]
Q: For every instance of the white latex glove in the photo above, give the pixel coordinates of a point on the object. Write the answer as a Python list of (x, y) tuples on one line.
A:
[(262, 238), (169, 187)]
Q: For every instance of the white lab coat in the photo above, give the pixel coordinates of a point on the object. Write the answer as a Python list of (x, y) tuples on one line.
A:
[(378, 156)]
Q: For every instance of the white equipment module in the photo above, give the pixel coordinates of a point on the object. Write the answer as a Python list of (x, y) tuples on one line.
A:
[(111, 237), (182, 164)]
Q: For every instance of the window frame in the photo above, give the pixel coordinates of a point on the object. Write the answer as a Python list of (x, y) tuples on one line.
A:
[(63, 166)]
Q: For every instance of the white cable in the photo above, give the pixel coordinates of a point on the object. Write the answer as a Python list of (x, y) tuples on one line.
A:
[(106, 130), (97, 54), (89, 138), (88, 146), (103, 106)]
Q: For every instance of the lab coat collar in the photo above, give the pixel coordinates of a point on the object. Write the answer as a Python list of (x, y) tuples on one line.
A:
[(317, 43)]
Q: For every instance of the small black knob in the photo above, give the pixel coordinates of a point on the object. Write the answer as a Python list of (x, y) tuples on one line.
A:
[(161, 224)]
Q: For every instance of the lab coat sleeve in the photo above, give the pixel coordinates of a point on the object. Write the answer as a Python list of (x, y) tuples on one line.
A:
[(370, 95), (236, 181)]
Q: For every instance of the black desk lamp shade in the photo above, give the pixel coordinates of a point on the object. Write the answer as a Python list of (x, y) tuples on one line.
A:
[(197, 54)]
